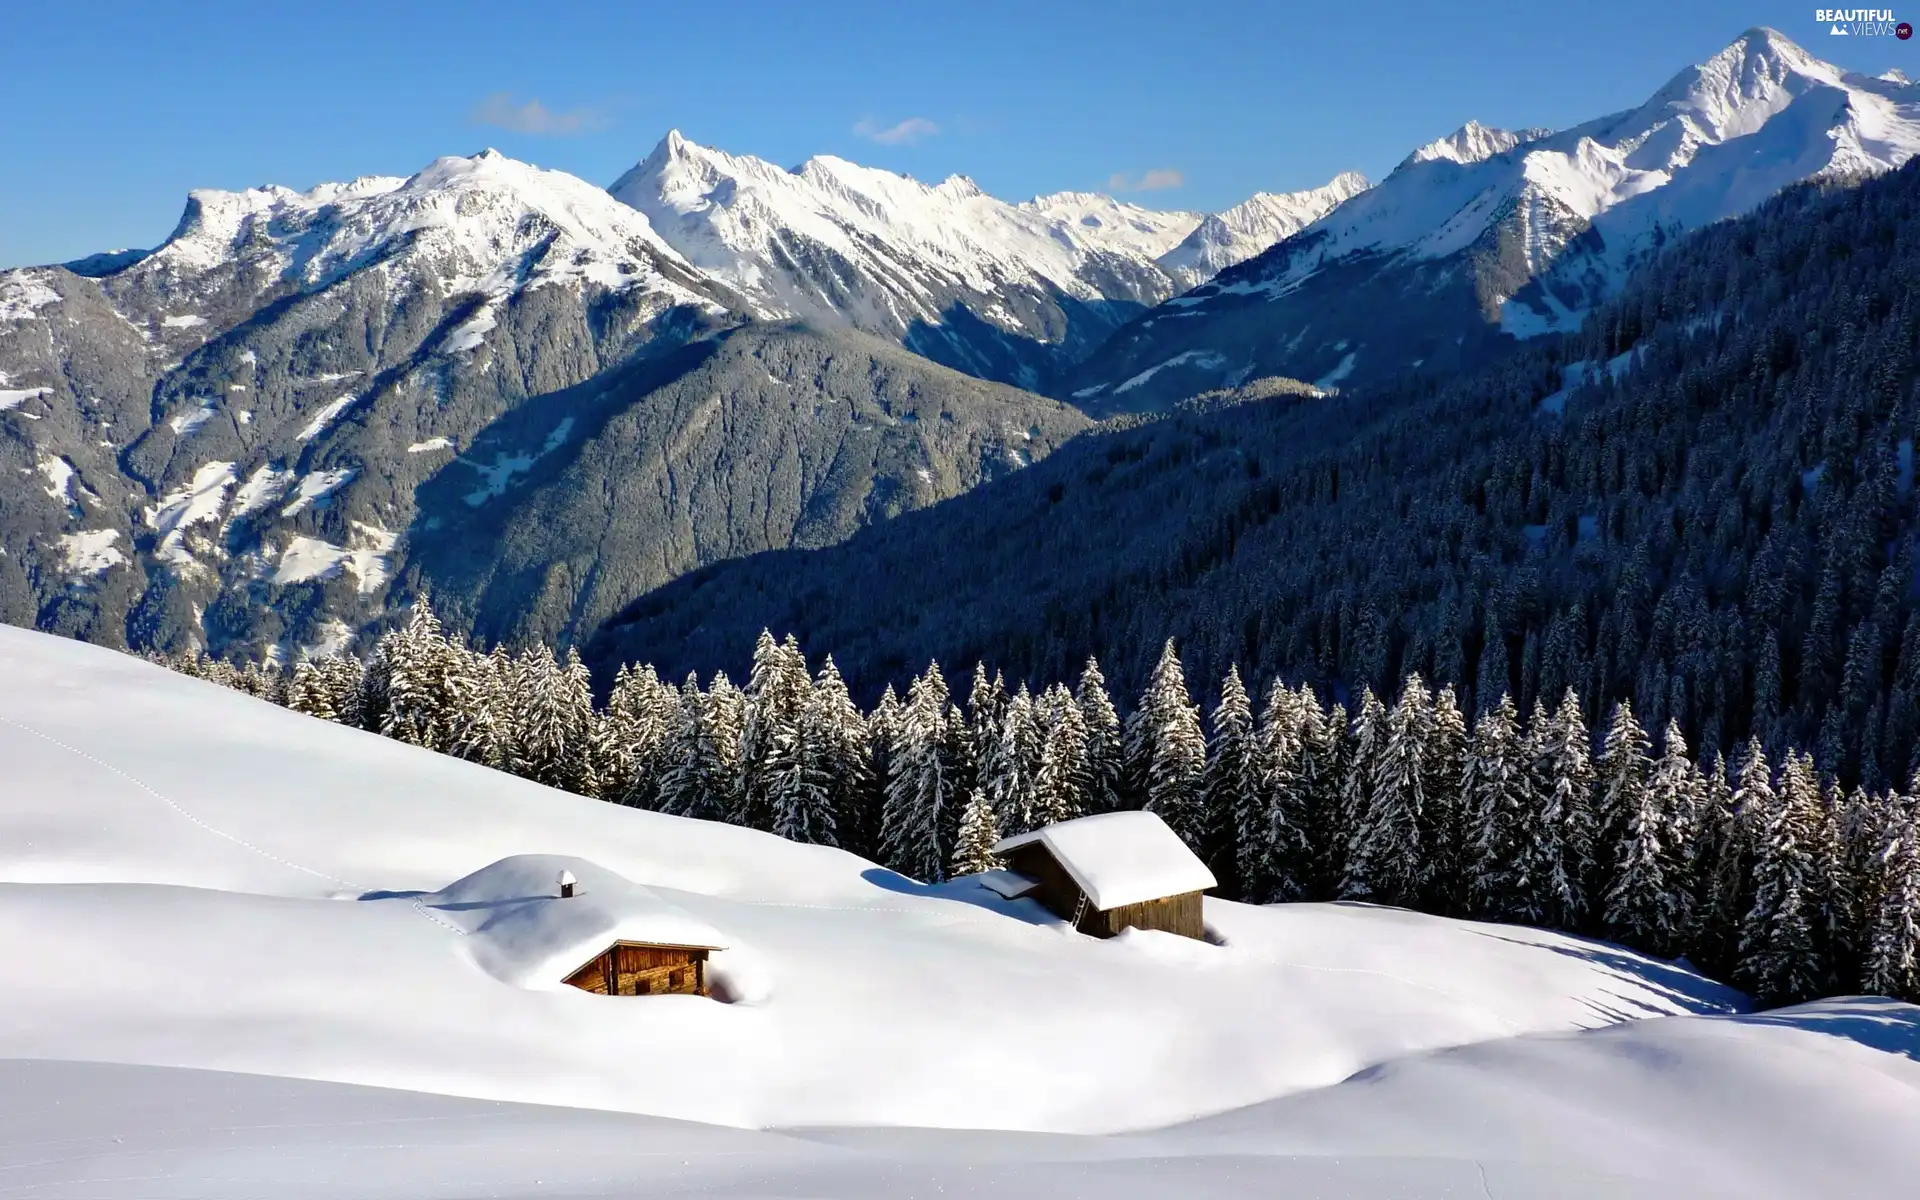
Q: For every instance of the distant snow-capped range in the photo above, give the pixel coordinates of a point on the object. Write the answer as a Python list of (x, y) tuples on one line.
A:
[(1011, 292), (1488, 232)]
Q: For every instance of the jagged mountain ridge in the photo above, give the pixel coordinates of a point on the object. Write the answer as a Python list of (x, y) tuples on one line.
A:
[(1010, 292), (1487, 235)]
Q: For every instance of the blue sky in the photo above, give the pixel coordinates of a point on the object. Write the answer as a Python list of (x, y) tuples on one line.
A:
[(115, 110)]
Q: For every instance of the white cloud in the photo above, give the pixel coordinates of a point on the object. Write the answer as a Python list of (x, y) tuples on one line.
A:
[(1157, 180), (906, 133), (532, 117)]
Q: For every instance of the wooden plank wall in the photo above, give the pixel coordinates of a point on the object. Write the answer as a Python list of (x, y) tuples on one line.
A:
[(626, 969)]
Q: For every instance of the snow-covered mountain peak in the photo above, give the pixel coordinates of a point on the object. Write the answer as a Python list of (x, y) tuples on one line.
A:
[(1096, 218), (483, 221), (1224, 239), (1472, 143), (1736, 91), (832, 239), (1528, 230)]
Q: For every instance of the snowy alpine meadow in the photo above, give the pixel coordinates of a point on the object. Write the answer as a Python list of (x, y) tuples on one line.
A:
[(248, 951), (1509, 780)]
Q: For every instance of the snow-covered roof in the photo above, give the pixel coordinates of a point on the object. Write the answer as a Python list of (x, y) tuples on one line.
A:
[(1120, 858), (521, 931)]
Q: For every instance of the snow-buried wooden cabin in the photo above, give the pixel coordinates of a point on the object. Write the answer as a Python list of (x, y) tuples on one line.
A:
[(542, 921), (1106, 873)]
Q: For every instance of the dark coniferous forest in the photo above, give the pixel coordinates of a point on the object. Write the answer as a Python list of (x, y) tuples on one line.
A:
[(1701, 505), (1756, 869)]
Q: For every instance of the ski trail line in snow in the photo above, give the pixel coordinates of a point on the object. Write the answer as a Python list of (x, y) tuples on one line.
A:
[(244, 844), (155, 793)]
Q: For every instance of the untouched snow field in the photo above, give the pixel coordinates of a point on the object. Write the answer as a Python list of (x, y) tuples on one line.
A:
[(232, 964)]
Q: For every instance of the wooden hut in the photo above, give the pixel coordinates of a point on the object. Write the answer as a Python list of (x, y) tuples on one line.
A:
[(1109, 872), (644, 969)]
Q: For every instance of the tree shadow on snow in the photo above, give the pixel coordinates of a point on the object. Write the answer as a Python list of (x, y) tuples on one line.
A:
[(965, 890), (1686, 990), (1877, 1022)]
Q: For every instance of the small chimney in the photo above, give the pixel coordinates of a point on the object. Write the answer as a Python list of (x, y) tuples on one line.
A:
[(567, 882)]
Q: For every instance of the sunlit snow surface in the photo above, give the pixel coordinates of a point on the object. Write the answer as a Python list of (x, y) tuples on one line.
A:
[(199, 882)]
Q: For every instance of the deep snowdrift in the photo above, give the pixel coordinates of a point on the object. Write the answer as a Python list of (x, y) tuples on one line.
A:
[(195, 879)]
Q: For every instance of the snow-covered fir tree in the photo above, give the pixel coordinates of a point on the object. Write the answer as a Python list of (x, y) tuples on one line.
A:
[(1232, 792), (920, 789), (1063, 783), (1273, 820), (1780, 960), (1620, 778), (1009, 768), (1892, 943), (1562, 833), (1366, 741), (834, 736), (309, 692), (1502, 819), (1105, 742), (1444, 819), (413, 663), (979, 833), (1648, 904), (1386, 861), (483, 724), (771, 760), (1325, 756), (1166, 751)]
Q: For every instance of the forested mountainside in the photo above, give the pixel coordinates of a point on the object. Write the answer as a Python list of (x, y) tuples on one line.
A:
[(763, 437), (1703, 502)]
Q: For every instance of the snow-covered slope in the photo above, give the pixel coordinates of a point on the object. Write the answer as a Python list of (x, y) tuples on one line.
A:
[(273, 893), (1487, 230), (1097, 219), (1224, 239)]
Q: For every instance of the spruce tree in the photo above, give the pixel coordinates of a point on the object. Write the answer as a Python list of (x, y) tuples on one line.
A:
[(1105, 745), (483, 724), (1497, 792), (979, 833), (1008, 771), (919, 786), (1064, 782), (309, 692), (835, 736), (1232, 791), (1388, 862), (1326, 753), (1647, 906), (1444, 817), (1562, 787), (1892, 957), (1273, 818), (1779, 953), (1620, 781), (1366, 745), (1166, 752), (772, 762)]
